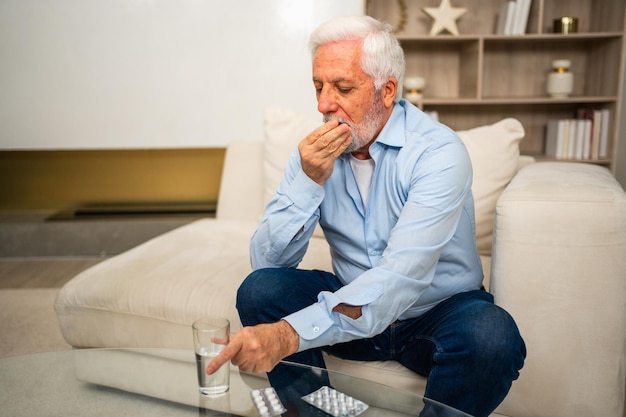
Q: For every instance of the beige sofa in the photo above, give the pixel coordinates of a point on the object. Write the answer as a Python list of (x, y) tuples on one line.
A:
[(554, 245)]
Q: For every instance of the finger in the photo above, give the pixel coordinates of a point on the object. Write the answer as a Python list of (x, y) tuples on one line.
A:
[(314, 136), (344, 145), (220, 340), (224, 356), (334, 138), (339, 144), (327, 127)]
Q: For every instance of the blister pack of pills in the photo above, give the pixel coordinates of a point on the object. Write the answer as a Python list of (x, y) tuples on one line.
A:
[(267, 402), (335, 403)]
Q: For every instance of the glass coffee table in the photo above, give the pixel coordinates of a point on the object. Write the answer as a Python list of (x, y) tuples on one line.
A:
[(163, 382)]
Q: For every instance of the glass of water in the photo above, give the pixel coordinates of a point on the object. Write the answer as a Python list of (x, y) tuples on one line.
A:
[(210, 336)]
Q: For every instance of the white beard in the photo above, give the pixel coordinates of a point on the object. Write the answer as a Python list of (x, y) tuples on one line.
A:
[(364, 132)]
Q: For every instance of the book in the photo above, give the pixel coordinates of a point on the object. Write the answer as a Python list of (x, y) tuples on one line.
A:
[(587, 115), (564, 139), (571, 139), (603, 152), (522, 11), (584, 137), (595, 134), (506, 17), (580, 138), (553, 144)]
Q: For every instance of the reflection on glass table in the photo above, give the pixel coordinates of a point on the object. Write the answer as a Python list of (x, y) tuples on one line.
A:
[(162, 382)]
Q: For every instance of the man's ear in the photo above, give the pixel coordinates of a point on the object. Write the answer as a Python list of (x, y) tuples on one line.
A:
[(389, 91)]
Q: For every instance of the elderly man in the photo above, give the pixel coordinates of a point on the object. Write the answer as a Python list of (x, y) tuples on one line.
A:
[(390, 187)]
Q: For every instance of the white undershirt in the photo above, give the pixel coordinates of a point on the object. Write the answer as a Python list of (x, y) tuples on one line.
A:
[(363, 170)]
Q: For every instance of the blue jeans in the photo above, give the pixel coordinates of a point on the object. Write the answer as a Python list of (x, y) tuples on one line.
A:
[(469, 348)]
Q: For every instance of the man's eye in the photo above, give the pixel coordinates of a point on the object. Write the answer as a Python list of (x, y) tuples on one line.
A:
[(344, 90)]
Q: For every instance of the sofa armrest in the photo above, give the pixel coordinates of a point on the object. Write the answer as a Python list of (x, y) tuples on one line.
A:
[(241, 187), (559, 267)]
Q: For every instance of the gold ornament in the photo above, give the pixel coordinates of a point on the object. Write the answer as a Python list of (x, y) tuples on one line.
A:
[(403, 17)]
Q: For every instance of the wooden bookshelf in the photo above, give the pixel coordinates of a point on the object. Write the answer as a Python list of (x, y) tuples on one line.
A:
[(480, 77)]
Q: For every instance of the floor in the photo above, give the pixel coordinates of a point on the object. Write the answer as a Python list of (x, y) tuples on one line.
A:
[(40, 249), (40, 253), (35, 272), (46, 235), (28, 289)]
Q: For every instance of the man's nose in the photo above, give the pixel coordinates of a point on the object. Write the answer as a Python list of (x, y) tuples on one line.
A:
[(326, 102)]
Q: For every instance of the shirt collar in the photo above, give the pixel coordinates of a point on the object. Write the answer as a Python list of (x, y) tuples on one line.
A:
[(392, 133)]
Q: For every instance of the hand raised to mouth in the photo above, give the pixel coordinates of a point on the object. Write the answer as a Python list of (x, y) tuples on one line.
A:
[(321, 147)]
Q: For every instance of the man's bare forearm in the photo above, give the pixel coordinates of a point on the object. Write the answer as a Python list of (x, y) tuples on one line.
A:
[(354, 312)]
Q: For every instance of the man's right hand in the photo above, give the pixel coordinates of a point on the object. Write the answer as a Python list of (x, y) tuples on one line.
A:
[(258, 348), (321, 147)]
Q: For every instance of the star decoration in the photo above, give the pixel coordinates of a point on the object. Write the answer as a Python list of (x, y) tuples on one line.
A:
[(445, 17)]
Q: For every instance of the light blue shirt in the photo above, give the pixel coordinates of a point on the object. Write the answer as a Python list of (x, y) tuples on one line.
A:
[(412, 247)]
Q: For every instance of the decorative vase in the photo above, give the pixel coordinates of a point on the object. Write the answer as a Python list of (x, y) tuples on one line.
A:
[(560, 81), (413, 89)]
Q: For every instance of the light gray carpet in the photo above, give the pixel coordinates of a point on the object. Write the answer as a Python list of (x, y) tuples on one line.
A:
[(28, 288), (28, 323)]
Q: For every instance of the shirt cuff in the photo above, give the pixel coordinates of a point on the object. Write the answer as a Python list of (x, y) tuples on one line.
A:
[(311, 324)]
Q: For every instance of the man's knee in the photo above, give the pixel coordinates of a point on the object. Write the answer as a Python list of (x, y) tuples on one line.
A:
[(253, 302), (497, 341), (269, 294), (257, 290)]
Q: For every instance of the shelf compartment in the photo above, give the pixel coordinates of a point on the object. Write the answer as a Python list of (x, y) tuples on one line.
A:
[(482, 15), (450, 68), (505, 101), (533, 116), (417, 22), (592, 15), (543, 158), (594, 60)]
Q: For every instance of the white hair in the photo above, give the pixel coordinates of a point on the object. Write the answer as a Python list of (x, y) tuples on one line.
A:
[(382, 56)]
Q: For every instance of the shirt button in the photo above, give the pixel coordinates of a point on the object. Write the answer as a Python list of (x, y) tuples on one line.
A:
[(316, 329)]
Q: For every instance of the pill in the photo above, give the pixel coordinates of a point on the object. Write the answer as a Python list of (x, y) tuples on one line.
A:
[(267, 402), (335, 403)]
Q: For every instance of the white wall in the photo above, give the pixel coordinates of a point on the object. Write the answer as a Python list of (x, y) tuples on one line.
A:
[(110, 74)]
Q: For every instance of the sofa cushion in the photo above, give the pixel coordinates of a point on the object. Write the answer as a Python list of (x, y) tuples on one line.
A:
[(284, 129), (493, 149), (150, 295)]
